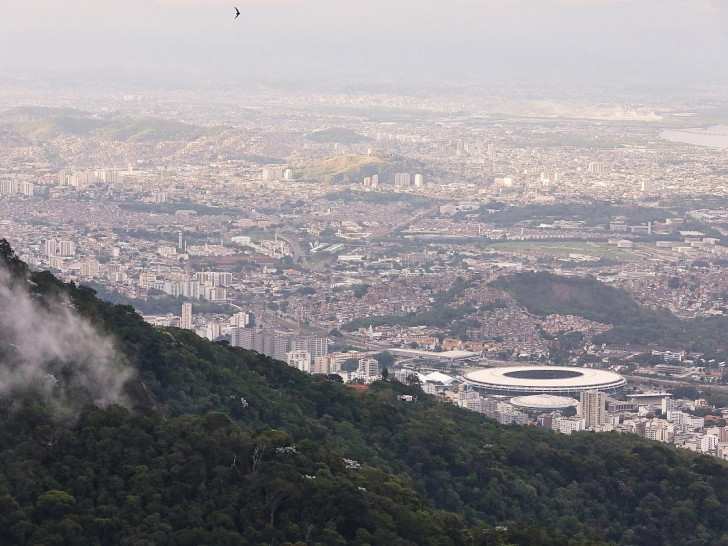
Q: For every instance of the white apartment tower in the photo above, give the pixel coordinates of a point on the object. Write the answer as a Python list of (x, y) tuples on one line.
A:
[(186, 320), (593, 408)]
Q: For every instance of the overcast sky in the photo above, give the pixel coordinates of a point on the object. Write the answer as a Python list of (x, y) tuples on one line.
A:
[(608, 41)]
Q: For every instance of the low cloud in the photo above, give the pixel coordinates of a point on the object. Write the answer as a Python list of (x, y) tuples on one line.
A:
[(48, 348)]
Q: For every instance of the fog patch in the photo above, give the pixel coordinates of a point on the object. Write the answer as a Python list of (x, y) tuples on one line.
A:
[(47, 347)]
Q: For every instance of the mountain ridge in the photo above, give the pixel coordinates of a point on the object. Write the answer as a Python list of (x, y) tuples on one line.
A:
[(219, 445)]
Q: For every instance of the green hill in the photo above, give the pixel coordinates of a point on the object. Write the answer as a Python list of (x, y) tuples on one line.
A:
[(343, 168), (218, 445), (338, 135), (544, 293), (127, 130), (352, 168)]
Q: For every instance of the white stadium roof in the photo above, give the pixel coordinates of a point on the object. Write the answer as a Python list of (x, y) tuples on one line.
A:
[(544, 380), (543, 402)]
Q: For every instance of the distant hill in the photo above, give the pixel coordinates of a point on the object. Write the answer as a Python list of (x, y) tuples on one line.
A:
[(338, 135), (219, 445), (50, 128), (30, 113), (352, 168), (343, 168), (127, 130), (544, 293)]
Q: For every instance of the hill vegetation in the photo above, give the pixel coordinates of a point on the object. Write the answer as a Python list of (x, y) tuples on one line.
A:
[(338, 135), (352, 168), (343, 168), (127, 130), (544, 293), (218, 445)]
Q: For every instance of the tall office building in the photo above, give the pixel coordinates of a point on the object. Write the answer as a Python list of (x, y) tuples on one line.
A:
[(186, 319), (593, 408)]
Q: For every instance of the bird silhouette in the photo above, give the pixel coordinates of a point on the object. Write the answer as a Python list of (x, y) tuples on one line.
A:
[(237, 13)]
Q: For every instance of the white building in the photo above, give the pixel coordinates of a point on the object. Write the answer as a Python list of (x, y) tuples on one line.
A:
[(186, 319), (568, 425), (368, 367), (301, 360)]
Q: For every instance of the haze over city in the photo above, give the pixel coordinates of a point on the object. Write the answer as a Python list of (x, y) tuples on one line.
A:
[(380, 273)]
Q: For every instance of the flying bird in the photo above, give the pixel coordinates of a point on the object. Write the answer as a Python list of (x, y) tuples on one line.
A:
[(237, 13)]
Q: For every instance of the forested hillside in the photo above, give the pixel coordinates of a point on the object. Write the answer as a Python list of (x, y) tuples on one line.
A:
[(210, 444), (544, 293)]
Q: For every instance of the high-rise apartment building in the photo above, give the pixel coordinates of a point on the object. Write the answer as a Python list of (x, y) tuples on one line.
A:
[(593, 408), (51, 247), (186, 319), (402, 179), (67, 248), (368, 367), (301, 360)]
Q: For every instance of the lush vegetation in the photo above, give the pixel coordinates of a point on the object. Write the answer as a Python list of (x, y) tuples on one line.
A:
[(544, 293), (218, 445)]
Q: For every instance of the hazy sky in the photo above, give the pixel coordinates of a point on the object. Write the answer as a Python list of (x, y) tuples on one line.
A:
[(610, 41)]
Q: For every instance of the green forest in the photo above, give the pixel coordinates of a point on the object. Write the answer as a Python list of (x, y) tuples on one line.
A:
[(219, 445)]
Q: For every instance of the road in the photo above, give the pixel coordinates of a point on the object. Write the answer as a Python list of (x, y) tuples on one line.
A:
[(674, 382), (390, 230)]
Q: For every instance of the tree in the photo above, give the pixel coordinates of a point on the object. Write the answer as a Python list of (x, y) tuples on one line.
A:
[(10, 259), (385, 373), (385, 358), (350, 365)]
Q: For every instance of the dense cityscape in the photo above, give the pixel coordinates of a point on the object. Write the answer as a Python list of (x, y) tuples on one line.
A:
[(374, 274), (348, 239)]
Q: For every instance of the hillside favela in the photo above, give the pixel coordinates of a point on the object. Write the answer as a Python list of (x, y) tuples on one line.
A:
[(386, 298)]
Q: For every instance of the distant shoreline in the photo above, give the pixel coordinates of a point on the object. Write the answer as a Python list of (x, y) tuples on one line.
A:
[(715, 136)]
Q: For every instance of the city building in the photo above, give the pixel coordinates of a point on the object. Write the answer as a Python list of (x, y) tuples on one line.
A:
[(186, 318), (593, 408)]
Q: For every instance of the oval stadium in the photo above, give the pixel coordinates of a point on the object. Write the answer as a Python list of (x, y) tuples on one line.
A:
[(556, 380)]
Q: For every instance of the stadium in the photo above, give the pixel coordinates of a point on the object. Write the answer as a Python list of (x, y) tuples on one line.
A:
[(555, 380), (543, 402)]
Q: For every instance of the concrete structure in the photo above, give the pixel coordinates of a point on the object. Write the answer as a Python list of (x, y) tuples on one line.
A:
[(593, 408), (557, 380), (186, 320), (447, 357), (543, 402), (301, 360)]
